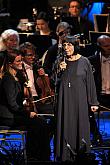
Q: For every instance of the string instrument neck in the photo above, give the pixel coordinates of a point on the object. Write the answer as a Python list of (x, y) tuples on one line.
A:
[(43, 82), (30, 105)]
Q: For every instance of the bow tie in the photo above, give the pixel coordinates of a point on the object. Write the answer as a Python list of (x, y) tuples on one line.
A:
[(28, 67), (106, 59)]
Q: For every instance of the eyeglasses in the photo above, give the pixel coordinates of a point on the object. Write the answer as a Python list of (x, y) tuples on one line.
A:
[(30, 55), (77, 7), (18, 61), (67, 31)]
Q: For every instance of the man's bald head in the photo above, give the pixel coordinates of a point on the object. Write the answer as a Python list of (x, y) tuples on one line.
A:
[(103, 40), (104, 43)]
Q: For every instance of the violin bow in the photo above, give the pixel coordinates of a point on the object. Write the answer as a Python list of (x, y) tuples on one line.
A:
[(43, 98), (108, 109)]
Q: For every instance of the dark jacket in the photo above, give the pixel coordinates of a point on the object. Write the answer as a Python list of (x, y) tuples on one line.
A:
[(96, 65), (11, 98), (84, 26)]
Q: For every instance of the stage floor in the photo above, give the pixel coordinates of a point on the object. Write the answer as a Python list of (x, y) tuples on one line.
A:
[(101, 153)]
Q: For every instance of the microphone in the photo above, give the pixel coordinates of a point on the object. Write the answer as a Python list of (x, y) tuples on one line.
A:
[(60, 48)]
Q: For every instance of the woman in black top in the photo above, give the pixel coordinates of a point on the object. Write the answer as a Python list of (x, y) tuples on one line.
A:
[(13, 113)]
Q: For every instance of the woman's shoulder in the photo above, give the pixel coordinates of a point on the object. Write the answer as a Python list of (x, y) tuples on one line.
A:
[(7, 77), (85, 60)]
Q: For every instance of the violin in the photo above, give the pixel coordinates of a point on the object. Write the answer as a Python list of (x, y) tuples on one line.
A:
[(43, 82), (29, 100)]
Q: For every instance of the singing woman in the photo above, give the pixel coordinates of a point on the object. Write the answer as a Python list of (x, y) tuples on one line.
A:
[(76, 94)]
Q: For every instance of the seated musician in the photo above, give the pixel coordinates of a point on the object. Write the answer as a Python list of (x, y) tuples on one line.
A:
[(29, 56), (39, 82), (9, 39), (13, 113), (43, 26), (44, 36), (101, 68)]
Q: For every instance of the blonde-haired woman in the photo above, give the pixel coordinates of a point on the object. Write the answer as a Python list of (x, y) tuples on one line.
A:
[(9, 40)]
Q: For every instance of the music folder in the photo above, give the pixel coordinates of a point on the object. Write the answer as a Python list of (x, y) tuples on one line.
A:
[(42, 43)]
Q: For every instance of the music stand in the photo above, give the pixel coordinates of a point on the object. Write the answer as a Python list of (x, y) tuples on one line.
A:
[(93, 35), (23, 37), (42, 43), (99, 20)]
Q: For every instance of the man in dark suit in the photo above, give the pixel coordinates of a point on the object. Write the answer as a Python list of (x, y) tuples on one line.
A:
[(78, 23), (101, 63), (101, 69)]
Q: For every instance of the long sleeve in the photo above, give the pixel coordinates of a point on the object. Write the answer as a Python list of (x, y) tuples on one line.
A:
[(12, 95), (91, 88)]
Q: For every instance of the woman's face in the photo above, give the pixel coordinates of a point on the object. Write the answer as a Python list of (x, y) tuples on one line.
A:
[(69, 48), (41, 24), (17, 63), (12, 42)]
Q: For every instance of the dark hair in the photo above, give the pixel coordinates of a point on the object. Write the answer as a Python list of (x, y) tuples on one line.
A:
[(73, 41), (80, 3), (43, 15), (12, 55), (27, 46)]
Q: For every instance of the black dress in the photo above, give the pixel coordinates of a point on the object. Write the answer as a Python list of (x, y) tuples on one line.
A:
[(76, 93)]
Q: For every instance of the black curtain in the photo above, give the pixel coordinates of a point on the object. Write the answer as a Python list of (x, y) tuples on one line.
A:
[(23, 9)]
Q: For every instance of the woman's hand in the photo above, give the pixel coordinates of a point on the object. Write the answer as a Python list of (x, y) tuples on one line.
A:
[(33, 114), (63, 65), (94, 108), (28, 84)]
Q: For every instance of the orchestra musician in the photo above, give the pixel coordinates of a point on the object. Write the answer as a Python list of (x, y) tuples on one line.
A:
[(43, 26), (62, 30), (39, 82), (29, 56), (43, 36), (9, 40), (14, 115), (78, 22), (101, 69), (37, 78)]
